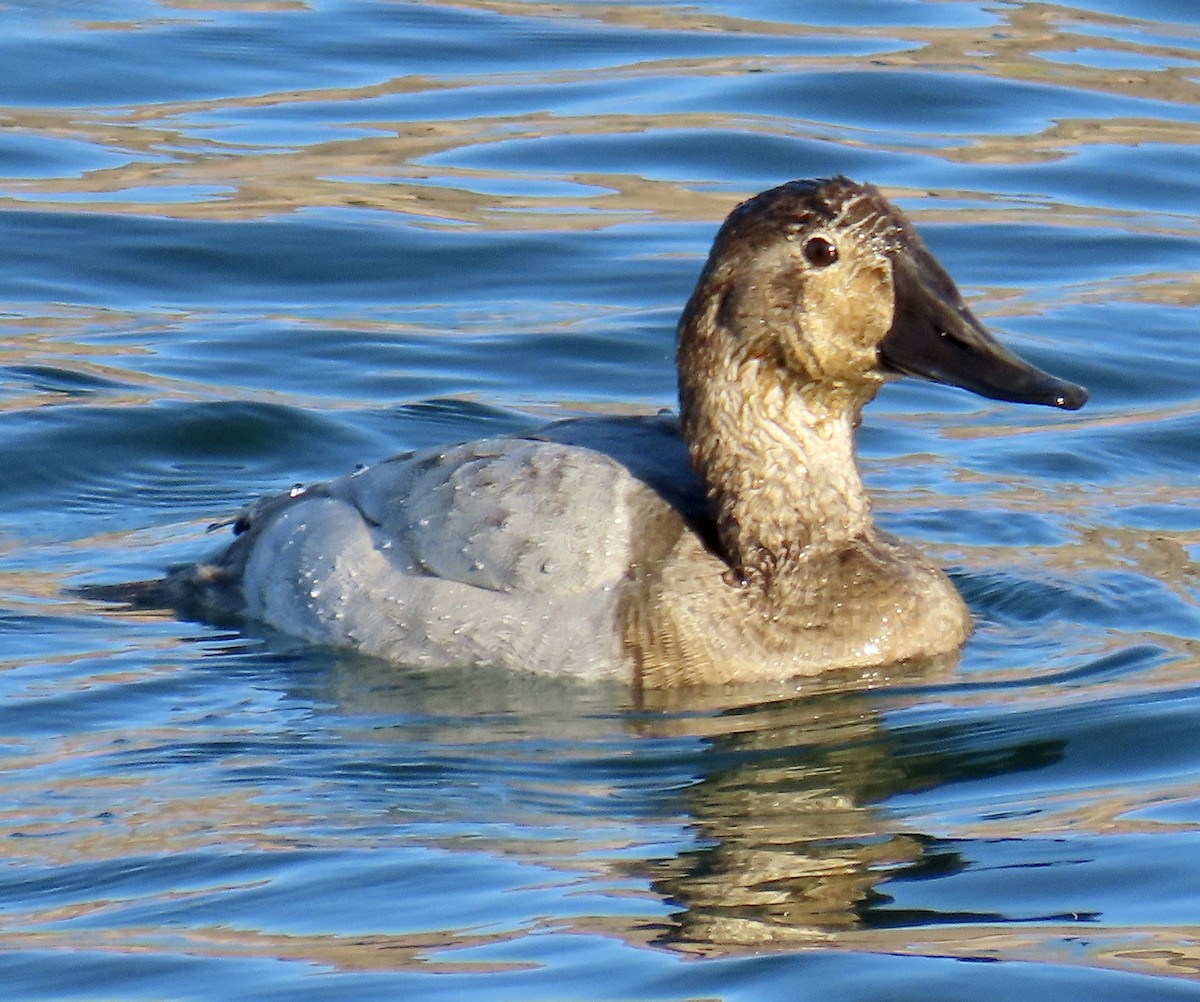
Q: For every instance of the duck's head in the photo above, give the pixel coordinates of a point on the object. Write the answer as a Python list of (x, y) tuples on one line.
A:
[(828, 285)]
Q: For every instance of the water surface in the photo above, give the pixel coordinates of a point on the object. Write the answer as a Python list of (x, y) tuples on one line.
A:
[(246, 245)]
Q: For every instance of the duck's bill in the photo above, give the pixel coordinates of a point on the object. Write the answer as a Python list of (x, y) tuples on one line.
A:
[(934, 336)]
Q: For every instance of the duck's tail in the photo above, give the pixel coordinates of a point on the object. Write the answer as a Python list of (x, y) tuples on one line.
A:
[(210, 590), (152, 594), (204, 591)]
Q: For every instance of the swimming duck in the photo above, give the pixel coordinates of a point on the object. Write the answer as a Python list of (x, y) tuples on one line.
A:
[(732, 544)]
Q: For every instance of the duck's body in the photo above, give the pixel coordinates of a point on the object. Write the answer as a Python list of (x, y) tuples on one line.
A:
[(586, 550), (734, 546)]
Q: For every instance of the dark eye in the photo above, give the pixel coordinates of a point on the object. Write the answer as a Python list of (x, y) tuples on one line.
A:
[(820, 252)]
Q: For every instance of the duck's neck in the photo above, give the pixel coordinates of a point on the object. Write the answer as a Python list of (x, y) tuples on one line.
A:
[(778, 462)]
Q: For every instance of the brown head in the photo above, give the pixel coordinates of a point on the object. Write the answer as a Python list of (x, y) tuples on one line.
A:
[(828, 282), (814, 294)]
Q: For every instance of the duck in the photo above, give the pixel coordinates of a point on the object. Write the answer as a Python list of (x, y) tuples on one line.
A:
[(731, 543)]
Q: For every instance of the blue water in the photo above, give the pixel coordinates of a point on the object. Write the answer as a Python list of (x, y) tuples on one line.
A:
[(246, 245)]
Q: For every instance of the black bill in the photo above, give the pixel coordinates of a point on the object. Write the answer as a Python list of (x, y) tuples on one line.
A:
[(935, 336)]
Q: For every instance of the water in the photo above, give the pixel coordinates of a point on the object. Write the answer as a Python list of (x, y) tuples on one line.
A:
[(248, 245)]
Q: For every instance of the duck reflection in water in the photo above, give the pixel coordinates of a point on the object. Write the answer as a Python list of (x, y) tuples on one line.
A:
[(776, 801), (793, 847)]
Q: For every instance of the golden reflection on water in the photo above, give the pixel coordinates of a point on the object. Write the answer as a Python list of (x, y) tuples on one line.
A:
[(178, 166)]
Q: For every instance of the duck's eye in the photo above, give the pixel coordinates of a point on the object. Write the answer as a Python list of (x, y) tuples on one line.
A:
[(820, 252)]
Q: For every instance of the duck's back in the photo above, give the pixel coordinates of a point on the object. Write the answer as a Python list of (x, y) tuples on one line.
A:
[(510, 550)]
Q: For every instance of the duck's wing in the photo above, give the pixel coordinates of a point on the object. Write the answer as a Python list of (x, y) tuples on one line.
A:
[(560, 510), (650, 450), (507, 515), (469, 549)]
